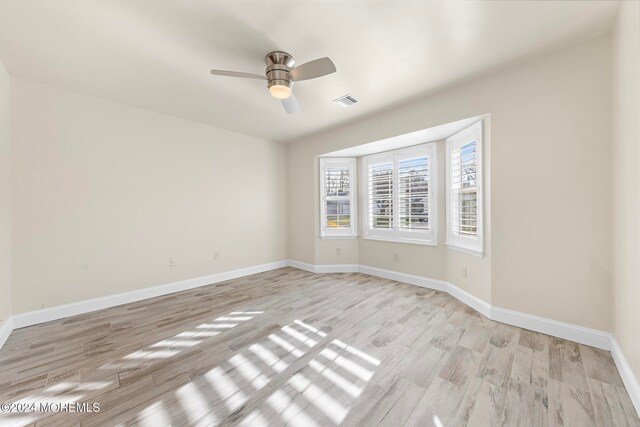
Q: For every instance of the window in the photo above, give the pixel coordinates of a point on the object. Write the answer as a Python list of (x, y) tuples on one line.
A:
[(464, 190), (400, 200), (337, 198)]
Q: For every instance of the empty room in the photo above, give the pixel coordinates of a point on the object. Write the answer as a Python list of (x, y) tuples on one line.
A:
[(318, 213)]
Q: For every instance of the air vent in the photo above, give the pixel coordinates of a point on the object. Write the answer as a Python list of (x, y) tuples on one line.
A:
[(346, 101)]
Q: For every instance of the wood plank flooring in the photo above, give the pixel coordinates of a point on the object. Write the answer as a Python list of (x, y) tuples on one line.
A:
[(289, 347)]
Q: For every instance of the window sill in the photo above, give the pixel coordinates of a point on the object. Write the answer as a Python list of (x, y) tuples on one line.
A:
[(408, 241), (339, 237), (479, 254)]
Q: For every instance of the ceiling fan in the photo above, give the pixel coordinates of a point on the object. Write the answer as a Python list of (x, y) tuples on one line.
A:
[(281, 73)]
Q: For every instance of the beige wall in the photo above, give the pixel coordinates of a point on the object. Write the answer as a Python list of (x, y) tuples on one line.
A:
[(5, 196), (552, 222), (549, 210), (105, 194), (626, 183)]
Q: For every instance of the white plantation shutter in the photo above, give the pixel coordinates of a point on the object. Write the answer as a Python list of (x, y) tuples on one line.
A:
[(337, 194), (380, 192), (464, 162), (464, 189), (399, 205), (413, 193)]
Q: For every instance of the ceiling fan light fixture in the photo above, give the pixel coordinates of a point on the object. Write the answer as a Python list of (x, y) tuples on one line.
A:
[(280, 74), (280, 91)]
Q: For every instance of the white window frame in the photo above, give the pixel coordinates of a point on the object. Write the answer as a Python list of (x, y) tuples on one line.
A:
[(467, 244), (395, 234), (340, 233)]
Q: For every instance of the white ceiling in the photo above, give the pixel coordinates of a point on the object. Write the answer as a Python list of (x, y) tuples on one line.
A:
[(156, 54)]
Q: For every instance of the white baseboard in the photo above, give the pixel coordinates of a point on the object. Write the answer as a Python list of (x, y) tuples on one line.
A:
[(325, 268), (424, 282), (54, 313), (337, 268), (630, 382), (579, 334), (6, 327), (302, 265), (471, 300)]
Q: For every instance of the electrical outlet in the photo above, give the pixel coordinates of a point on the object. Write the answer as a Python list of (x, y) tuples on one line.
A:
[(463, 271), (338, 251), (396, 257), (172, 262), (216, 255)]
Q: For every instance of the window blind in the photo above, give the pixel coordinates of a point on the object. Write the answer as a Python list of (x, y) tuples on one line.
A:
[(413, 193), (464, 163), (337, 186), (380, 200)]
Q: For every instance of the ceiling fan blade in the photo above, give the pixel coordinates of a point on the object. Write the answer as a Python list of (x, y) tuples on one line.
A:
[(291, 104), (237, 74), (313, 69)]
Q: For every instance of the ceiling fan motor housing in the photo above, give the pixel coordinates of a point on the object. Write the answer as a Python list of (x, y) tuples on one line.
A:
[(279, 65)]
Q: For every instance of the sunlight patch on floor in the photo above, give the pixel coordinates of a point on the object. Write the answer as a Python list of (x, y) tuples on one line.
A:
[(318, 397), (170, 347), (321, 393), (195, 405), (154, 415)]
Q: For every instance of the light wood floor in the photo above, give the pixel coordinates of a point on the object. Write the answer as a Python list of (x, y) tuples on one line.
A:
[(301, 349)]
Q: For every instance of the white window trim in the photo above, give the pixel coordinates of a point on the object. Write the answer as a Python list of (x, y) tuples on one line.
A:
[(429, 238), (469, 245), (351, 232)]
